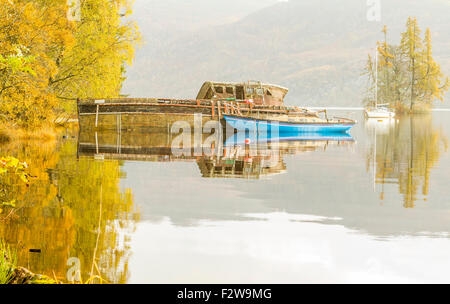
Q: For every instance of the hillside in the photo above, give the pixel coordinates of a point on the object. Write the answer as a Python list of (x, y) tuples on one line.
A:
[(315, 48), (166, 20)]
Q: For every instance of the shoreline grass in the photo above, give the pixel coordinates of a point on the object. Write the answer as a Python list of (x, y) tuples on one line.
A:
[(9, 133), (48, 132), (10, 273), (8, 263)]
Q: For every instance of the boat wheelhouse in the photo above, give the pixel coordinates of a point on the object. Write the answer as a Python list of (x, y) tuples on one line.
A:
[(255, 91)]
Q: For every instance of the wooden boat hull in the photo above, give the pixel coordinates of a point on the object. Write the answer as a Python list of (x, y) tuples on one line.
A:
[(142, 113), (243, 123)]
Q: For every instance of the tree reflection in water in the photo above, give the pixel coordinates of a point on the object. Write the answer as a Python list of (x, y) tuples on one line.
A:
[(73, 208), (407, 149)]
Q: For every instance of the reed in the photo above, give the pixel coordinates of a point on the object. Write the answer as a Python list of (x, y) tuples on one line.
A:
[(44, 133), (8, 262)]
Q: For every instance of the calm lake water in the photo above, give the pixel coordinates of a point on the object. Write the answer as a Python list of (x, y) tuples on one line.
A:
[(374, 207)]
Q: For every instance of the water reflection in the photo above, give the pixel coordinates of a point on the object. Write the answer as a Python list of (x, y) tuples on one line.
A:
[(404, 152), (73, 208), (242, 155), (334, 183), (298, 190)]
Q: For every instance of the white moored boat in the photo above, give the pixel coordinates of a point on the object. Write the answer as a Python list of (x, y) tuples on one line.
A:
[(379, 111)]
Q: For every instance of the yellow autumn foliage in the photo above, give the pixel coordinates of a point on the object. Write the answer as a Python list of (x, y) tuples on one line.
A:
[(94, 67), (408, 79), (31, 36), (47, 59), (71, 208)]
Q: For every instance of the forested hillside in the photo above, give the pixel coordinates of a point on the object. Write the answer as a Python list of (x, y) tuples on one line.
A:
[(318, 49)]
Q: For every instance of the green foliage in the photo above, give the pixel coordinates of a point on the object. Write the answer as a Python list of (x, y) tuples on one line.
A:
[(17, 63), (13, 165), (11, 274), (8, 261)]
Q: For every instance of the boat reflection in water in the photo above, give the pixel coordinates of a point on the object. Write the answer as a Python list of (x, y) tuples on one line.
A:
[(242, 155), (252, 155)]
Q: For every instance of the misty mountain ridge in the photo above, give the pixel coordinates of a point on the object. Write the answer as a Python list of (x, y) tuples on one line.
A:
[(317, 49)]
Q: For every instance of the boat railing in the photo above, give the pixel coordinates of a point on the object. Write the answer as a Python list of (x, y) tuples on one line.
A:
[(242, 103), (343, 119), (243, 107)]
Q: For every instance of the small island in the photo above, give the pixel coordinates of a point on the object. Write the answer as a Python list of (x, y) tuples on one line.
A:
[(405, 77)]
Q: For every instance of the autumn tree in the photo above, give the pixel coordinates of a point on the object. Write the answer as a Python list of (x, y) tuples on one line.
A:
[(385, 65), (432, 86), (409, 79), (411, 45), (105, 43), (32, 34), (46, 59), (399, 80)]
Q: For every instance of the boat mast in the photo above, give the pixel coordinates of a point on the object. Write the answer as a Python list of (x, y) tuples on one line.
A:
[(375, 159), (376, 77)]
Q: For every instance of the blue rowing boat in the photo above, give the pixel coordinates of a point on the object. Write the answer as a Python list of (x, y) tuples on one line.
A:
[(242, 123)]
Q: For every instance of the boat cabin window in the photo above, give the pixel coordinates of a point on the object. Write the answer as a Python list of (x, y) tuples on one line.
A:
[(240, 93), (219, 90), (249, 91), (229, 90), (259, 91)]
